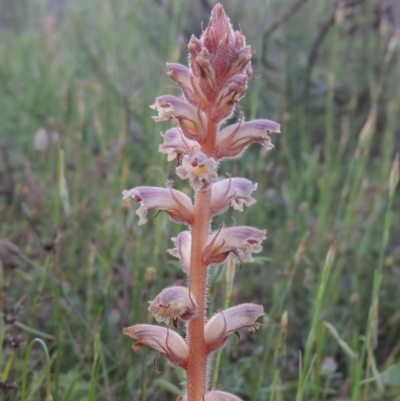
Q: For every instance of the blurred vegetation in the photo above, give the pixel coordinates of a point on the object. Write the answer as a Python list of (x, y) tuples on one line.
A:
[(76, 79)]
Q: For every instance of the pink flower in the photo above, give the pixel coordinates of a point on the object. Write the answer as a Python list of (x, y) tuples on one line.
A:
[(229, 321), (200, 169), (183, 244), (233, 192), (242, 241), (188, 83), (175, 144), (178, 205), (173, 303), (191, 119), (234, 139), (162, 339)]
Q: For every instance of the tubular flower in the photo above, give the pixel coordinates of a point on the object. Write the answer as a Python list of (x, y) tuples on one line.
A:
[(241, 241), (162, 339), (190, 118), (215, 396), (200, 169), (173, 303), (178, 205), (234, 139), (233, 192), (183, 244), (188, 83), (175, 144), (229, 321)]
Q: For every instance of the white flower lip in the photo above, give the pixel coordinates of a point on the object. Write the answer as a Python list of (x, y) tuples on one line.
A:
[(241, 241), (173, 303), (234, 139), (178, 205), (162, 339), (176, 144), (200, 169), (233, 192), (229, 321)]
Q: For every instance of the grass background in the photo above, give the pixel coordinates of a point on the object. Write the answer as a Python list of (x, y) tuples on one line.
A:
[(75, 265)]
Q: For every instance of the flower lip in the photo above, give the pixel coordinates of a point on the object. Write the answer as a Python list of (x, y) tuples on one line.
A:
[(162, 339), (200, 169), (173, 303), (229, 321), (178, 205)]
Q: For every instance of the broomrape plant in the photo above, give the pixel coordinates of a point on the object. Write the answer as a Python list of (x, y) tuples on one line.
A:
[(212, 85)]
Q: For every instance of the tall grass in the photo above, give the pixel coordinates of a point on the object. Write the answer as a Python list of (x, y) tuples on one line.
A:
[(83, 270)]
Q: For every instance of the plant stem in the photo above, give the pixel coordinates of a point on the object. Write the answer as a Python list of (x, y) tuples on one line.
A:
[(197, 361), (196, 370)]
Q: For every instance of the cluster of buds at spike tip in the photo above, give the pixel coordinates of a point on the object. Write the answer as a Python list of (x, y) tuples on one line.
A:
[(212, 85)]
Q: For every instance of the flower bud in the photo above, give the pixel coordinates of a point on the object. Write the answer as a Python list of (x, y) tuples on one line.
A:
[(173, 303)]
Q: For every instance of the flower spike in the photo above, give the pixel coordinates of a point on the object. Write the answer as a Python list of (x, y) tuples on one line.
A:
[(211, 88)]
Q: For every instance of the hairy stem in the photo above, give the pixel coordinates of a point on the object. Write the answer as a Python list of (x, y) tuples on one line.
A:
[(196, 370), (197, 360)]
